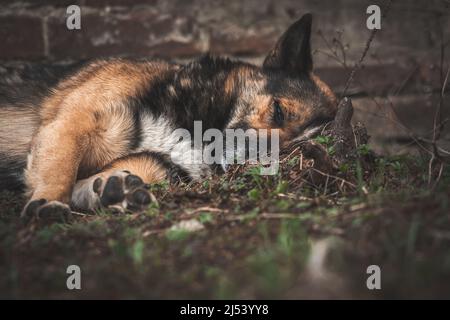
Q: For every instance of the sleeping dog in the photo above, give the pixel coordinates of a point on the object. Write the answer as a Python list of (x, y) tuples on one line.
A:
[(101, 132)]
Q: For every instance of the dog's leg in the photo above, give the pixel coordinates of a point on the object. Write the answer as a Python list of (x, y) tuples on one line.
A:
[(86, 122), (77, 141), (121, 186), (52, 167)]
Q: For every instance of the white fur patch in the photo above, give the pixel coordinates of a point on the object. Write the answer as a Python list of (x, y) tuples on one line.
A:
[(83, 195), (308, 133), (159, 135)]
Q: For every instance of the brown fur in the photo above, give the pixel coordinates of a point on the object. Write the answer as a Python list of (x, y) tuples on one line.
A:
[(85, 128), (86, 122), (26, 121), (297, 112), (147, 168)]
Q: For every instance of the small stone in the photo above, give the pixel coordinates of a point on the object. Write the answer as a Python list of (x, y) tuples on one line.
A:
[(191, 225)]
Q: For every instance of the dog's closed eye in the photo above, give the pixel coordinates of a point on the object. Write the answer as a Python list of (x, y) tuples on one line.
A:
[(278, 114)]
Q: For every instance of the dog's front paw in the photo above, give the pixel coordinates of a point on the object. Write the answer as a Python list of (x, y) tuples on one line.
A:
[(123, 191), (120, 191), (47, 211)]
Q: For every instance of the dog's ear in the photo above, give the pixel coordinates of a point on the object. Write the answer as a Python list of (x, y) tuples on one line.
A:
[(292, 53)]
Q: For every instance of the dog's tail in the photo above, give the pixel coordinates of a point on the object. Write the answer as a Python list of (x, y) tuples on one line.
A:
[(17, 126)]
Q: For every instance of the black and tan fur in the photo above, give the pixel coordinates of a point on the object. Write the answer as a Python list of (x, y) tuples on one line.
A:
[(103, 130)]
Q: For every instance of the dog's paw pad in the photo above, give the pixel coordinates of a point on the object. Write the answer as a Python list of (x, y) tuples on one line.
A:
[(138, 199), (55, 211), (123, 190), (97, 186), (48, 212), (113, 191), (132, 181), (32, 207)]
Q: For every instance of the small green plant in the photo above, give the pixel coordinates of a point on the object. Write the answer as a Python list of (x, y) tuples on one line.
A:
[(137, 252), (255, 174), (205, 184), (153, 209), (396, 165), (254, 194), (283, 205), (282, 187), (378, 178), (205, 217), (327, 142), (118, 247), (323, 140), (251, 215), (344, 168), (160, 186), (239, 184), (294, 161), (168, 216), (363, 150), (177, 234)]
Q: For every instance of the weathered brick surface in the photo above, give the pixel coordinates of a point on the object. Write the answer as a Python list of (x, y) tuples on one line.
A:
[(186, 28), (408, 43), (124, 3), (131, 33), (387, 120), (21, 37), (382, 80), (17, 4)]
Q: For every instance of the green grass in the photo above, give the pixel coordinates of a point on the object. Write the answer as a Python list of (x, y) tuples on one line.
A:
[(260, 236)]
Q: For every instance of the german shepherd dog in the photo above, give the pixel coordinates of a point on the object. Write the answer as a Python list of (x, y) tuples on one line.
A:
[(103, 131)]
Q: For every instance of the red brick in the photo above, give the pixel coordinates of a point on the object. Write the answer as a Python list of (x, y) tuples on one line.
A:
[(21, 37), (242, 45), (41, 3), (137, 33), (382, 80), (124, 3)]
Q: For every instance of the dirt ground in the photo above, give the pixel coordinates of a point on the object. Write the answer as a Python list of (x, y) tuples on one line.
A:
[(298, 234)]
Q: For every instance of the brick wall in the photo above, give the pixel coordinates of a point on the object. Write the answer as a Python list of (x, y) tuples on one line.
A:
[(36, 29), (403, 61)]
